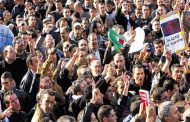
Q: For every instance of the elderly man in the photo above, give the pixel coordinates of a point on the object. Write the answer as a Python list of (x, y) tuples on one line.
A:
[(167, 112)]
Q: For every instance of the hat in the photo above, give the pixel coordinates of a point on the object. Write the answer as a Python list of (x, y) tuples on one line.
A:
[(46, 20), (77, 24)]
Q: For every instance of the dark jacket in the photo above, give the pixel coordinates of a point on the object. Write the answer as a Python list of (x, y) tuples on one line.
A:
[(30, 84), (121, 19), (19, 117)]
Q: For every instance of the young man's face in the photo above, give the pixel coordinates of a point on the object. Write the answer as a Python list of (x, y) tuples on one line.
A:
[(47, 103), (13, 103)]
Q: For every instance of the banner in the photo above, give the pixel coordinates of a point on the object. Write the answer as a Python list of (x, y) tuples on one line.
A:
[(171, 30), (6, 37)]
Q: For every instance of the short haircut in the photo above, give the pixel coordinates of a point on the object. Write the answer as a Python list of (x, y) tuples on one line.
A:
[(47, 91), (66, 118), (29, 59), (175, 66), (104, 111), (7, 94), (169, 84), (158, 41), (7, 75), (164, 110), (139, 66), (157, 93)]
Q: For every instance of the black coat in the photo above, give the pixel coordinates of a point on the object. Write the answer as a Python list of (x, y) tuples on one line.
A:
[(30, 84), (121, 19)]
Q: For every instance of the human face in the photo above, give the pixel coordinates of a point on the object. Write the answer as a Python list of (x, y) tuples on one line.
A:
[(120, 86), (13, 103), (161, 10), (139, 76), (158, 49), (10, 54), (59, 6), (66, 47), (66, 13), (83, 45), (174, 114), (95, 3), (109, 7), (47, 103), (93, 42), (46, 83), (125, 6), (164, 96), (85, 24), (109, 93), (6, 16), (19, 20), (92, 13), (112, 116), (177, 74), (49, 42), (102, 9), (156, 26), (99, 28), (77, 31), (34, 64), (139, 2), (64, 34), (145, 12), (159, 2), (96, 68), (6, 84), (19, 44), (32, 21), (119, 61)]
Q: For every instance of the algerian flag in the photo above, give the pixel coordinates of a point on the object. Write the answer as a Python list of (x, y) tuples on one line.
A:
[(119, 41)]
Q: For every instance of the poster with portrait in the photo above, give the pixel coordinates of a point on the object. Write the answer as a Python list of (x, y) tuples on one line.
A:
[(172, 33)]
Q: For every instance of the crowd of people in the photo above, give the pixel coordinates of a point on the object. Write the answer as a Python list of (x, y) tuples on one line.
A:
[(63, 67)]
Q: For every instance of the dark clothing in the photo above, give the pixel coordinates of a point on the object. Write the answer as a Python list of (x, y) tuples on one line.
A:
[(121, 19), (18, 117), (18, 68), (156, 35), (17, 10), (30, 84)]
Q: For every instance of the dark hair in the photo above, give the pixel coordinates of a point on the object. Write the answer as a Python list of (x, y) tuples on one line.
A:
[(157, 93), (139, 66), (104, 111), (7, 94), (169, 84), (7, 75), (29, 59), (175, 66), (158, 41)]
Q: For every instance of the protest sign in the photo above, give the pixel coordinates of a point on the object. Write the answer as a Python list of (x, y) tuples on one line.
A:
[(171, 30), (6, 36), (137, 45), (144, 97)]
